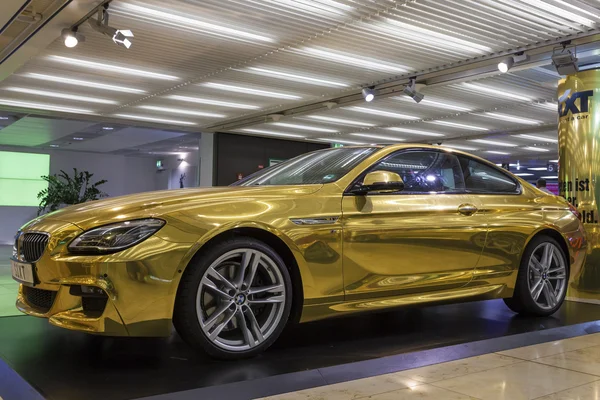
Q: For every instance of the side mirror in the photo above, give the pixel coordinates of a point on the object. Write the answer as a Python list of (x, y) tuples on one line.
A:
[(381, 182)]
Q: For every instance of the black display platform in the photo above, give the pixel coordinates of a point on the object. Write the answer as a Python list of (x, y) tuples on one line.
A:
[(68, 365)]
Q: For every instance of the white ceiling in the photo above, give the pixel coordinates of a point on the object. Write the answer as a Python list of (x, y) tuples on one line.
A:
[(197, 65)]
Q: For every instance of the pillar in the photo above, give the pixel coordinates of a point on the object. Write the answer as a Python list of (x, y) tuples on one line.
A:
[(207, 159), (579, 169)]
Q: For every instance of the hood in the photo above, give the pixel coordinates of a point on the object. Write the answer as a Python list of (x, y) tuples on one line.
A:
[(155, 204)]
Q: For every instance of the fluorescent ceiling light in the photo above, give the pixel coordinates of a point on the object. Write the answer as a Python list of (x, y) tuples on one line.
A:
[(550, 177), (339, 121), (271, 133), (491, 91), (372, 111), (457, 125), (41, 106), (549, 106), (60, 95), (460, 147), (538, 138), (498, 152), (77, 138), (111, 68), (561, 12), (494, 143), (107, 128), (77, 82), (354, 60), (432, 103), (536, 149), (256, 92), (343, 141), (152, 119), (183, 112), (379, 137), (414, 131), (538, 169), (524, 174), (553, 161), (271, 73), (430, 37), (511, 118), (304, 127), (212, 102), (192, 22)]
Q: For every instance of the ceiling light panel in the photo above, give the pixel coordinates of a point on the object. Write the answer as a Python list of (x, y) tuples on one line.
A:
[(447, 105), (415, 131), (457, 125), (538, 149), (431, 37), (271, 133), (210, 101), (169, 110), (380, 138), (503, 153), (383, 113), (494, 143), (250, 91), (460, 147), (60, 95), (484, 90), (340, 121), (42, 106), (537, 138), (294, 77), (154, 119), (343, 141), (195, 23), (304, 127), (510, 118), (354, 60), (111, 68), (83, 83)]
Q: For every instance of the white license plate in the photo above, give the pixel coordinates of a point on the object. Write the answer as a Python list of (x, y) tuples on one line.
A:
[(22, 272)]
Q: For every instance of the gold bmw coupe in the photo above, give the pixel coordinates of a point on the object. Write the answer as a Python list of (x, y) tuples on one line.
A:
[(327, 233)]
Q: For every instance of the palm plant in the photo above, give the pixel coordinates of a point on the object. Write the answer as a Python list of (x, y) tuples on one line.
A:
[(64, 189)]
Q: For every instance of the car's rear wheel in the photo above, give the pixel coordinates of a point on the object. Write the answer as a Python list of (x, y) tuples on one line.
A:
[(234, 300), (542, 280)]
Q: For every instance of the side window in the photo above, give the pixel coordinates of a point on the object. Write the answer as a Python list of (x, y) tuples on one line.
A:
[(481, 178), (425, 171)]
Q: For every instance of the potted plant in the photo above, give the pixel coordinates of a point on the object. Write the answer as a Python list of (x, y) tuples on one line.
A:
[(67, 190)]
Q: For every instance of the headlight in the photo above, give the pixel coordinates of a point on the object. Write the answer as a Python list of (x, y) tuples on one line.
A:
[(115, 237)]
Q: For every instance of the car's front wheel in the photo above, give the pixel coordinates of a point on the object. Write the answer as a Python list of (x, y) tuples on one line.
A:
[(234, 300), (542, 280)]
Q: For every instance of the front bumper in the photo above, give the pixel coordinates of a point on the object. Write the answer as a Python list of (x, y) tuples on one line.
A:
[(139, 283)]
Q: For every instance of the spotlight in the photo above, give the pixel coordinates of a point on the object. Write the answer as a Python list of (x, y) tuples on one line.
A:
[(121, 38), (71, 37), (411, 91), (368, 94), (100, 24), (565, 61), (506, 64)]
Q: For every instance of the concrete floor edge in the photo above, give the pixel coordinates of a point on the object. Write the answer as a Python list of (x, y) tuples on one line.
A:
[(14, 387), (285, 383)]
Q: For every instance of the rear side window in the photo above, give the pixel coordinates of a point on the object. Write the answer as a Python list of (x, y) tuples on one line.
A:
[(425, 171), (482, 178)]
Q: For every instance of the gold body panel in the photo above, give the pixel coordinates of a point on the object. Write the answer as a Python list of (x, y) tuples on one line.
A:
[(367, 252)]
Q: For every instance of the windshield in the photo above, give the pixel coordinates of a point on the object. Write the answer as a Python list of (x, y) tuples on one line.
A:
[(318, 167)]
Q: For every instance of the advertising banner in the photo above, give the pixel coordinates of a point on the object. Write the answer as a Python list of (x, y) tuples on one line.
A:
[(579, 167)]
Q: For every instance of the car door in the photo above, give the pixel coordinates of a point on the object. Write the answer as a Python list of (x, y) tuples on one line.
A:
[(427, 237), (511, 217)]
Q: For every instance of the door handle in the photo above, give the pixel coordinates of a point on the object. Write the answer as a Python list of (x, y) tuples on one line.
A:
[(467, 209)]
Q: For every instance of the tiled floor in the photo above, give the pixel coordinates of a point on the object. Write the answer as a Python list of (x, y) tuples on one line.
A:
[(8, 287), (562, 370)]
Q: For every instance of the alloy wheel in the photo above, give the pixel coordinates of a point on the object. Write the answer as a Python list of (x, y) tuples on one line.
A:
[(241, 299), (547, 275)]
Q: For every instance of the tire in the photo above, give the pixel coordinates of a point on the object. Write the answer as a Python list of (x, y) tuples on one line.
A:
[(251, 317), (529, 297)]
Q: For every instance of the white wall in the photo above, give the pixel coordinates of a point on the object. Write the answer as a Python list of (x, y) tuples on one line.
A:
[(125, 175)]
